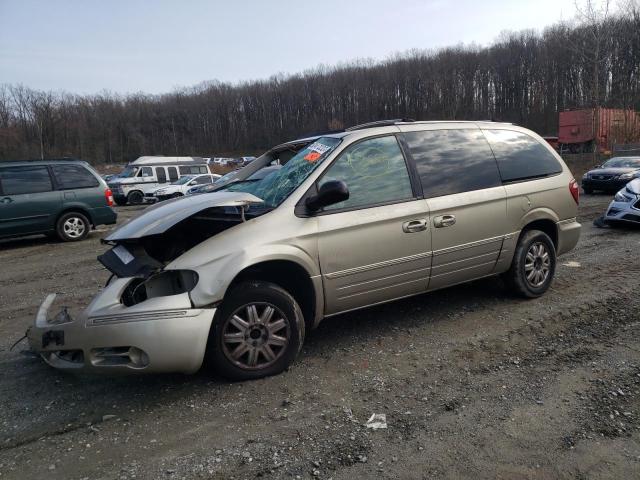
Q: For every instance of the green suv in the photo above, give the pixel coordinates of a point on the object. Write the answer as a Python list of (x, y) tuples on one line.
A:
[(62, 197)]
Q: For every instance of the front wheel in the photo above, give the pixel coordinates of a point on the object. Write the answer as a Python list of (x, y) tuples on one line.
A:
[(135, 198), (533, 265), (257, 332)]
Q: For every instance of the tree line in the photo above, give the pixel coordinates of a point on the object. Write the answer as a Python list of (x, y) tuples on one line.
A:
[(523, 77)]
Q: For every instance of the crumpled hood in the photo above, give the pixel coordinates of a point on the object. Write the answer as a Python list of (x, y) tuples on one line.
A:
[(159, 218), (634, 186)]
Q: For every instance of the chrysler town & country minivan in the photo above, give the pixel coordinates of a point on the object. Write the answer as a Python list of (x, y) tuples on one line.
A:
[(379, 212)]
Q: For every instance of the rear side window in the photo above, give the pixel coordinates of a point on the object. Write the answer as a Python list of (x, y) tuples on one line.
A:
[(173, 174), (375, 173), (193, 170), (520, 156), (203, 169), (73, 176), (452, 161), (161, 175), (21, 180)]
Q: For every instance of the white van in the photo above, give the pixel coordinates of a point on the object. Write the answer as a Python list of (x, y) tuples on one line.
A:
[(147, 174)]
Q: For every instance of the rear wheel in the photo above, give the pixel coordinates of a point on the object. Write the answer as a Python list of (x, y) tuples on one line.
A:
[(533, 265), (258, 331), (120, 202), (72, 226), (135, 198), (176, 195)]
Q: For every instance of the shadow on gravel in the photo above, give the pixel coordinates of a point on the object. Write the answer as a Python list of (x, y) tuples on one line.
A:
[(23, 242)]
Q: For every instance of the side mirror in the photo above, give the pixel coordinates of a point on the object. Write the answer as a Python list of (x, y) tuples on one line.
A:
[(331, 192)]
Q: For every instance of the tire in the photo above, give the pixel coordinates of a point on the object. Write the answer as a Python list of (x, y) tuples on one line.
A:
[(177, 195), (240, 350), (588, 191), (119, 202), (530, 279), (72, 227), (135, 198)]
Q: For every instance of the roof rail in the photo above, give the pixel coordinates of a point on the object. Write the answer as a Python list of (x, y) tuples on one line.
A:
[(55, 159), (379, 123)]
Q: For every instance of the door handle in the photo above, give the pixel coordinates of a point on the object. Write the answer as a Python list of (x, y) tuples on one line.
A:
[(7, 200), (413, 226), (444, 221)]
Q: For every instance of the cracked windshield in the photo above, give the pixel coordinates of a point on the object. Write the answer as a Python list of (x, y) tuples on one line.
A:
[(276, 187)]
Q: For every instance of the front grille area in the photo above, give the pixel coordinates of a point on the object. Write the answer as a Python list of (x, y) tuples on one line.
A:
[(601, 177)]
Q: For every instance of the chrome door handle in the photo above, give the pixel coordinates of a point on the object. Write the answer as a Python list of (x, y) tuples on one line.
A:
[(444, 221), (413, 226)]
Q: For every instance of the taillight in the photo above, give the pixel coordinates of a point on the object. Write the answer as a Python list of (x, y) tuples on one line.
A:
[(575, 190), (109, 196)]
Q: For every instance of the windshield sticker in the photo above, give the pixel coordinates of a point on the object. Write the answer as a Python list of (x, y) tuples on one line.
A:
[(123, 254), (312, 156), (319, 147)]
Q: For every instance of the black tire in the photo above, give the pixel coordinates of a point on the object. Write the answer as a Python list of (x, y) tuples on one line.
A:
[(261, 295), (120, 202), (517, 277), (177, 195), (135, 198), (587, 191), (72, 227)]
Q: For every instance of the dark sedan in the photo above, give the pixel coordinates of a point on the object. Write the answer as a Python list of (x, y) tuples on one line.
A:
[(612, 175)]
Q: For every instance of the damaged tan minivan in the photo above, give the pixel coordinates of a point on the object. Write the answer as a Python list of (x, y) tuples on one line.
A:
[(376, 213)]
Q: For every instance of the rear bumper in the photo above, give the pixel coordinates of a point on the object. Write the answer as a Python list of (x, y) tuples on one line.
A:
[(568, 235), (162, 336), (104, 216)]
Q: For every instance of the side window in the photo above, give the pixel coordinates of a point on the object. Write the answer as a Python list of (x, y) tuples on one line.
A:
[(146, 172), (375, 173), (521, 156), (203, 169), (161, 175), (185, 170), (452, 161), (173, 174), (73, 176), (203, 180), (21, 180)]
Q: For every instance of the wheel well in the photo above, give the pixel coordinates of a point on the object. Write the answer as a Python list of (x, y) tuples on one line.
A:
[(547, 226), (288, 275), (76, 210)]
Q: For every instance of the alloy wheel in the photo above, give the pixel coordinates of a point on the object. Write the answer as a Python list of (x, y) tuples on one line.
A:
[(74, 227), (537, 264), (255, 336)]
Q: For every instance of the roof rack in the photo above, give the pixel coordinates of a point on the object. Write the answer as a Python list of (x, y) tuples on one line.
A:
[(55, 159), (379, 123)]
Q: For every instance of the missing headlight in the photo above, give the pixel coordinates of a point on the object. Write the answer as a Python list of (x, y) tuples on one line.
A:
[(169, 282)]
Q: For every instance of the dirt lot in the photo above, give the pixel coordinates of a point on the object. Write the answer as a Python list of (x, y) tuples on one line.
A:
[(474, 383)]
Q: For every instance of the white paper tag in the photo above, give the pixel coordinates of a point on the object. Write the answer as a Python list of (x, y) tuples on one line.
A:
[(318, 147), (123, 254)]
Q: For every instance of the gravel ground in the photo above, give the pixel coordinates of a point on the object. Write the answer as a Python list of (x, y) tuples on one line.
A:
[(473, 383)]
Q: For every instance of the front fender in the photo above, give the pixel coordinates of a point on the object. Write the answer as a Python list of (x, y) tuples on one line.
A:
[(216, 276)]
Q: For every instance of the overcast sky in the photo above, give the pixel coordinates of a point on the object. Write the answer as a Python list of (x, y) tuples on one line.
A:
[(85, 46)]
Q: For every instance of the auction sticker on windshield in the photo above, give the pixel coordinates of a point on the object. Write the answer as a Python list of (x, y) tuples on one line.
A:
[(319, 147)]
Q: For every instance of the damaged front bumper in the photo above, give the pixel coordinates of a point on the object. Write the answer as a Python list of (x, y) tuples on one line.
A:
[(161, 334)]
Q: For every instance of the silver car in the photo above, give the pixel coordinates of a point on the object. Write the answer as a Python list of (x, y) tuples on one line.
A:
[(376, 213), (625, 207)]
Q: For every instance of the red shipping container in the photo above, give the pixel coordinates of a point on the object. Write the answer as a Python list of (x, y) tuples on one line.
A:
[(577, 129)]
